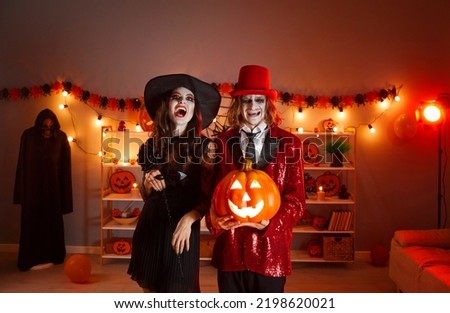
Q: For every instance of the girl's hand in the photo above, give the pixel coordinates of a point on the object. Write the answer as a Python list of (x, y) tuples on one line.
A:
[(222, 222), (181, 235), (154, 180), (261, 225)]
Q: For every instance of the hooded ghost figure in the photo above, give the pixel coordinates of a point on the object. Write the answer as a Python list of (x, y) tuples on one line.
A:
[(43, 188)]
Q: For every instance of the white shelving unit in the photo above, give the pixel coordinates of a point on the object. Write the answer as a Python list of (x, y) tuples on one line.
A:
[(120, 149), (304, 232)]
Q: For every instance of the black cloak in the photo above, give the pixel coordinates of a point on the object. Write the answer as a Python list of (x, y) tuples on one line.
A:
[(43, 188)]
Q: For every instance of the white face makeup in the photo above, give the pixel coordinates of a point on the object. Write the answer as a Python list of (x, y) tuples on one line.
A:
[(181, 107), (253, 109)]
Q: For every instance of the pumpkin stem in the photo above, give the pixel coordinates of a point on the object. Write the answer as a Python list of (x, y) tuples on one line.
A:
[(247, 166)]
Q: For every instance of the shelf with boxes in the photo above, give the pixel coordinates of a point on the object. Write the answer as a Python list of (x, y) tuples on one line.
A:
[(326, 233), (121, 202)]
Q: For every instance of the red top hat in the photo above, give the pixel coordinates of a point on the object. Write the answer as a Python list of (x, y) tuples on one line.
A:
[(254, 80)]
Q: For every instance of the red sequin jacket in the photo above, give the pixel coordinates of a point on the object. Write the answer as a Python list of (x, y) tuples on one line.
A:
[(266, 252)]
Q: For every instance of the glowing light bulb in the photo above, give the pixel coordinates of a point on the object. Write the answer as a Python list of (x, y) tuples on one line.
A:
[(98, 121), (432, 113)]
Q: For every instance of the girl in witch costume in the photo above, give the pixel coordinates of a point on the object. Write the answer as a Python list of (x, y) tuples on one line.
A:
[(43, 188), (255, 257), (166, 241)]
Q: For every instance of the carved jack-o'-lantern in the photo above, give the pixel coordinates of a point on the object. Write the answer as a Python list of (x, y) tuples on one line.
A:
[(310, 152), (116, 212), (121, 181), (248, 194), (121, 247), (314, 249), (319, 222), (330, 183), (329, 124)]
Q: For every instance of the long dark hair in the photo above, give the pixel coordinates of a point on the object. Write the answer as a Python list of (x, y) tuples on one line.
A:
[(164, 141)]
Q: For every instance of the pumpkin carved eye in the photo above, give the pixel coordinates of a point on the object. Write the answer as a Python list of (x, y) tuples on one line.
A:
[(255, 184), (236, 185)]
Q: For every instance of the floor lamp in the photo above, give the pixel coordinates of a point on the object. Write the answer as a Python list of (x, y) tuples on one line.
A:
[(432, 113), (439, 207)]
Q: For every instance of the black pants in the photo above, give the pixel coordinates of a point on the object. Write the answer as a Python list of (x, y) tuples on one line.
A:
[(246, 281)]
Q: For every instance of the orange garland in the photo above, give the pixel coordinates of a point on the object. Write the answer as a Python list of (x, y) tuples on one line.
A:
[(134, 104)]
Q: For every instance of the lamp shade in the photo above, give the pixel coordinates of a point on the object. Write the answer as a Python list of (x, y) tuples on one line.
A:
[(430, 112)]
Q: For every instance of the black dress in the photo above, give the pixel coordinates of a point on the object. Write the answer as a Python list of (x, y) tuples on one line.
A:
[(154, 265), (43, 188)]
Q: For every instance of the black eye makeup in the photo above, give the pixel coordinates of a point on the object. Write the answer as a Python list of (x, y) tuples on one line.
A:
[(259, 100), (179, 98)]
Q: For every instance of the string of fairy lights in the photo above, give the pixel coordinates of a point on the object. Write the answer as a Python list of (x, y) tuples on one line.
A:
[(102, 105), (219, 123)]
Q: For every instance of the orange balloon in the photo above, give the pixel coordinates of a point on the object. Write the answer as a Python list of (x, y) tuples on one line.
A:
[(78, 268)]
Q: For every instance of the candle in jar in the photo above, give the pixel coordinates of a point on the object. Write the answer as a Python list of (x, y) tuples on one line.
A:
[(135, 190), (320, 194)]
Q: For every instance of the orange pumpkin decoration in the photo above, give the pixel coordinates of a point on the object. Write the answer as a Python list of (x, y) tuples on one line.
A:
[(329, 124), (315, 248), (319, 222), (116, 212), (136, 211), (330, 183), (121, 247), (121, 181), (310, 152), (248, 194)]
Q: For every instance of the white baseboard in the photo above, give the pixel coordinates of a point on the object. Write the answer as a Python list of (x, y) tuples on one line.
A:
[(14, 248)]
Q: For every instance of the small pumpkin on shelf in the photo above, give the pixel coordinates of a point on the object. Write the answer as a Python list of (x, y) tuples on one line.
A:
[(314, 248), (122, 247), (319, 222)]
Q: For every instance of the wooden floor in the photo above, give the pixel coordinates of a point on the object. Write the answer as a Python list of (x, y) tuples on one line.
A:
[(111, 277)]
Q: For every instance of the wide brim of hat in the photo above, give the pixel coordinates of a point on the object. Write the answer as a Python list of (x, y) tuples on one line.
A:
[(206, 96), (271, 93)]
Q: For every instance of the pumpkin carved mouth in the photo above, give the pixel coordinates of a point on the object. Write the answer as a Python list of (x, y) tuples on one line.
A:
[(246, 211)]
